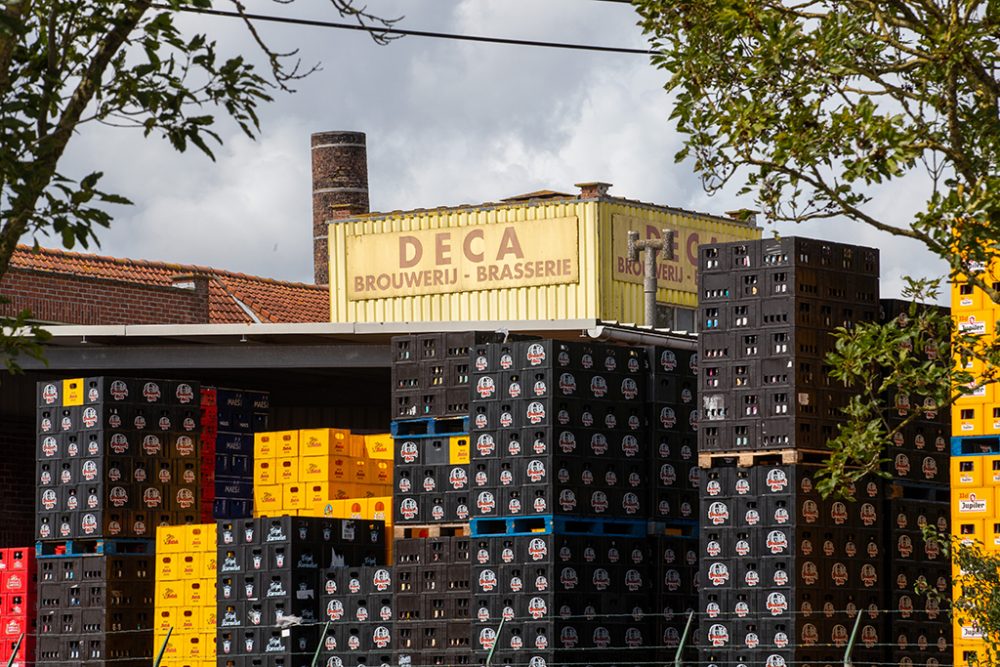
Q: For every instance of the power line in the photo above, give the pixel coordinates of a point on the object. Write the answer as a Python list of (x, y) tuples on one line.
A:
[(410, 33)]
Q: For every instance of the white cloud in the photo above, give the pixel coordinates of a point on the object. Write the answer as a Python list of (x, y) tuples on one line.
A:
[(447, 123)]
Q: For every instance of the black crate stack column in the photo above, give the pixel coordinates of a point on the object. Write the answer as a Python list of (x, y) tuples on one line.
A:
[(784, 572), (95, 609), (116, 457), (281, 579), (560, 478), (673, 428), (431, 494), (917, 495), (432, 600)]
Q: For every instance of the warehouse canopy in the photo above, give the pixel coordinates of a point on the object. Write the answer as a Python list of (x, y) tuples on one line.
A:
[(303, 345)]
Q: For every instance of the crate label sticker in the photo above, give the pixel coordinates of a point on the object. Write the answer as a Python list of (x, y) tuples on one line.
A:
[(972, 326), (486, 387), (972, 505), (514, 389), (777, 542), (537, 608), (869, 516), (50, 394), (718, 574), (408, 508), (718, 513), (630, 503), (777, 480), (485, 444), (718, 635), (486, 502), (151, 392)]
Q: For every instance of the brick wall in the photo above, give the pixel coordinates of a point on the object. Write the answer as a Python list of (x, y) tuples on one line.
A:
[(17, 483), (86, 300)]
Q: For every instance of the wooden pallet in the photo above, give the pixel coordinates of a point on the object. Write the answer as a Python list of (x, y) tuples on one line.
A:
[(408, 531), (749, 459)]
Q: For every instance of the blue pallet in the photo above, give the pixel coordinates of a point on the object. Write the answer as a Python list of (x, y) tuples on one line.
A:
[(559, 525), (98, 547), (430, 427), (973, 445)]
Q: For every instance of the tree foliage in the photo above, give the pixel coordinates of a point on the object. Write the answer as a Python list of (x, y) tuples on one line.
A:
[(67, 63), (809, 104)]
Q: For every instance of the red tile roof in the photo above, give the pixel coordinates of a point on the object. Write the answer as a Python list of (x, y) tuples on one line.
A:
[(269, 300)]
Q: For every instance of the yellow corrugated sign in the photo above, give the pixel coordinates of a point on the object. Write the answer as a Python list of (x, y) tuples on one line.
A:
[(681, 274), (462, 259), (535, 260)]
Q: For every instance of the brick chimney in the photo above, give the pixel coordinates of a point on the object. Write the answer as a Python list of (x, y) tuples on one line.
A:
[(593, 189), (339, 182)]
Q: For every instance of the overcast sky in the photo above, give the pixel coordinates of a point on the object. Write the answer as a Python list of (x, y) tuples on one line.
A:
[(447, 123)]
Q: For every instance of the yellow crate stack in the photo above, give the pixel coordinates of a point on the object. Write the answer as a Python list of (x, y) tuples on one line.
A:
[(975, 479), (323, 472), (185, 595)]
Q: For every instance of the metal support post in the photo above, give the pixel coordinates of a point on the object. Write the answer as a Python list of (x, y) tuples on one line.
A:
[(159, 656), (848, 661), (680, 647), (319, 647), (651, 247)]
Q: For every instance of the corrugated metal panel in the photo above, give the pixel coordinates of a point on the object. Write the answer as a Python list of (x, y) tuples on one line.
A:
[(623, 301), (598, 294), (545, 302)]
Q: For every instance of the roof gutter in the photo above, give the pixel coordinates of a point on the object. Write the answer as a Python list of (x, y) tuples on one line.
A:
[(683, 341)]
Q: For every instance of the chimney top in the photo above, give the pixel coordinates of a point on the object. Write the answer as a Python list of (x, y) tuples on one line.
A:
[(592, 189), (344, 211)]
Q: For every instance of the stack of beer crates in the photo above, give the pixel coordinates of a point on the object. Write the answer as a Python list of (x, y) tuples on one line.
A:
[(185, 621), (116, 457), (918, 574), (229, 420), (975, 448), (431, 497), (560, 551), (291, 587), (784, 570), (18, 628), (430, 373), (322, 472), (674, 418)]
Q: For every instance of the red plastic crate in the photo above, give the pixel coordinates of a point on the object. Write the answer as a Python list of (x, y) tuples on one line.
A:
[(17, 581), (12, 627), (208, 395), (21, 605), (20, 558)]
